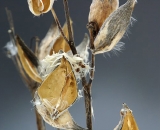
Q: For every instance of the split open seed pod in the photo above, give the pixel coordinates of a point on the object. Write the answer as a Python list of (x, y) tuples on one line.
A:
[(64, 121), (25, 58), (114, 28), (38, 7), (101, 9), (59, 90), (127, 121), (60, 43), (28, 60), (47, 42), (53, 42), (56, 94)]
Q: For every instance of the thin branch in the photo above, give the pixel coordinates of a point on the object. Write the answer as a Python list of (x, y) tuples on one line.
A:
[(71, 40), (87, 94), (36, 44), (10, 20), (93, 30), (59, 25), (40, 122), (88, 105), (92, 69)]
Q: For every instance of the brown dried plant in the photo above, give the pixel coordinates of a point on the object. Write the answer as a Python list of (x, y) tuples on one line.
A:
[(53, 70)]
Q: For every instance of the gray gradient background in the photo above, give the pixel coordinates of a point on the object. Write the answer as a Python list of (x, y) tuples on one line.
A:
[(132, 77)]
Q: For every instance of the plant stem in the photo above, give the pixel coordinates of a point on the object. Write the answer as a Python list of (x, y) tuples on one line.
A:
[(71, 40), (87, 95), (59, 25), (88, 106), (93, 30), (39, 121)]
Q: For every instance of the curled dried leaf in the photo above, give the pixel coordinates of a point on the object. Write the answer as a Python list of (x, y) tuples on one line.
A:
[(101, 9), (37, 7), (127, 121), (114, 28)]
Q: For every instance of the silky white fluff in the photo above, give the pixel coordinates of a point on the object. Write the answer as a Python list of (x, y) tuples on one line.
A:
[(49, 63), (11, 48)]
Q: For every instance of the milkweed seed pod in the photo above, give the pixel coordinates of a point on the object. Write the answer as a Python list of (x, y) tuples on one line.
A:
[(29, 80), (58, 91), (101, 9), (114, 28), (26, 57), (53, 41), (63, 121), (47, 42), (127, 121), (38, 7), (60, 43)]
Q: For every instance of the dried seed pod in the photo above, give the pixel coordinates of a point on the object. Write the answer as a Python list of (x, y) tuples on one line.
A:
[(56, 94), (127, 121), (101, 9), (48, 41), (114, 28), (37, 7), (64, 121), (28, 60), (59, 90), (60, 43)]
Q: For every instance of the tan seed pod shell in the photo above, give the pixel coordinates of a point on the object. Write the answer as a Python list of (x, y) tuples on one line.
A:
[(101, 9), (60, 43), (37, 7), (48, 41), (114, 28), (59, 90), (25, 56), (127, 121), (55, 95)]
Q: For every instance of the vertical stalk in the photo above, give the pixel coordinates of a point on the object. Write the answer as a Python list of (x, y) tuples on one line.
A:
[(39, 121), (93, 30), (59, 25), (88, 106), (71, 40)]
